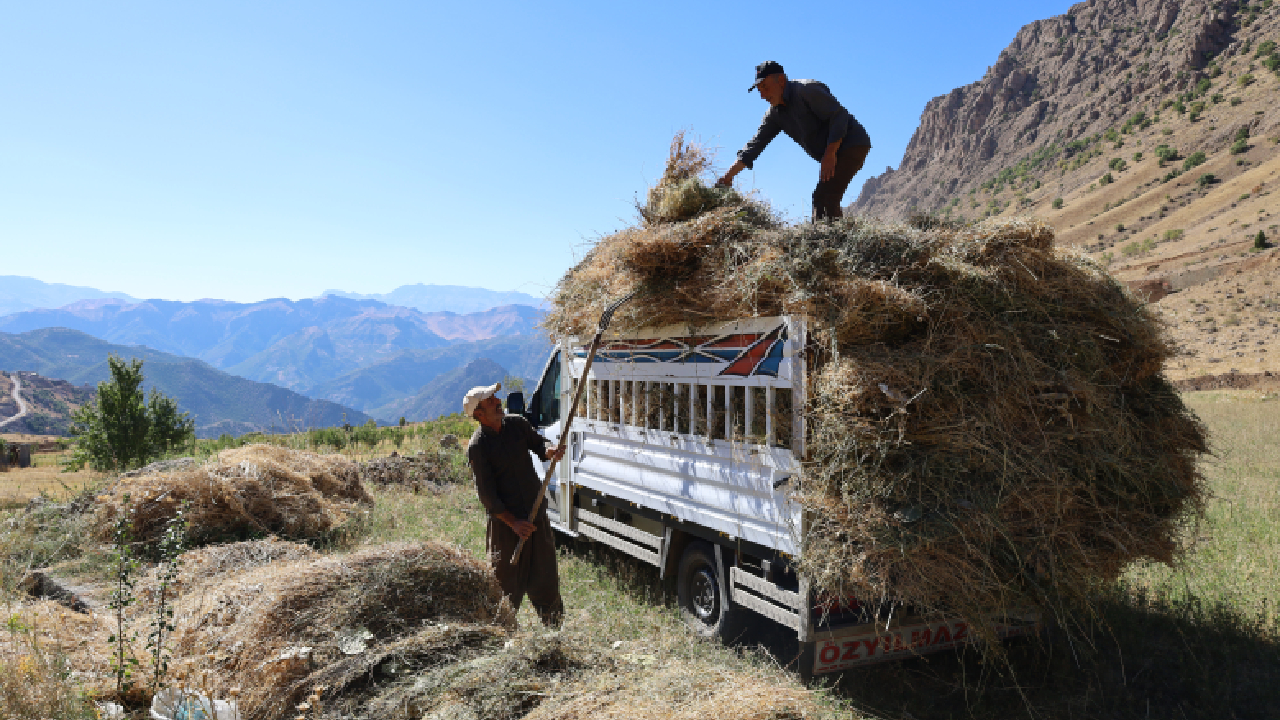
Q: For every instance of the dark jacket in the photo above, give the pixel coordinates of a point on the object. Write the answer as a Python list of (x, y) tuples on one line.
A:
[(811, 116), (506, 480)]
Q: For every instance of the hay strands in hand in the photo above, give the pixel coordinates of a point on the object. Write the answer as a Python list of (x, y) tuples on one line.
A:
[(605, 317)]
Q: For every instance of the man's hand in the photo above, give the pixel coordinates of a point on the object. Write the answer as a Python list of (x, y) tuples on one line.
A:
[(726, 180), (828, 170), (554, 453), (523, 528)]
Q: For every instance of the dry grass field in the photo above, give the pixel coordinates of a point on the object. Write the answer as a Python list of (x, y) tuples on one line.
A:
[(1198, 641)]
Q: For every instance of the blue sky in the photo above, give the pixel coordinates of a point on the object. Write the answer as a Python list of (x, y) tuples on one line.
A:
[(245, 150)]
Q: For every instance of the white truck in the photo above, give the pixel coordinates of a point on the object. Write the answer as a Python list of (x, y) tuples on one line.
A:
[(681, 455)]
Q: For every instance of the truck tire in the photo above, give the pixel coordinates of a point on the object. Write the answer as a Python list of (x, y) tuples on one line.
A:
[(699, 590)]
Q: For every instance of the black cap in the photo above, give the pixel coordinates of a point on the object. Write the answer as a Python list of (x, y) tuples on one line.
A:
[(764, 70)]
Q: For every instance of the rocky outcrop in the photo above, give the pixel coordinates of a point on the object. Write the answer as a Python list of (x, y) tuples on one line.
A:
[(1061, 79)]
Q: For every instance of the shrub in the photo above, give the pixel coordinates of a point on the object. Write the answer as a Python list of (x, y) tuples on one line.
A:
[(1239, 146), (1203, 86), (1057, 203), (1195, 159), (1116, 164), (1260, 240), (1206, 180), (1165, 153), (1217, 98), (1266, 48), (1235, 101), (1245, 80), (1179, 107), (1119, 227), (1106, 179), (1137, 157), (1173, 234), (1272, 63)]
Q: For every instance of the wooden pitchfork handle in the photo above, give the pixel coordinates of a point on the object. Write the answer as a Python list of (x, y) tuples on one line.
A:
[(573, 411)]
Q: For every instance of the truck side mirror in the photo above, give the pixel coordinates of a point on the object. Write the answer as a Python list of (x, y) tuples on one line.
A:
[(515, 403)]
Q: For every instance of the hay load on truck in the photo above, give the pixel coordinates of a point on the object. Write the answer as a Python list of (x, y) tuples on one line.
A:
[(891, 437)]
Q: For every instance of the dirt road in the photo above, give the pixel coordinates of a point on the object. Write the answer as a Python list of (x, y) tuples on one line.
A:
[(17, 397)]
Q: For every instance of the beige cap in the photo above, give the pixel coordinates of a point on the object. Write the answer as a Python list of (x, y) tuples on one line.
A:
[(476, 394)]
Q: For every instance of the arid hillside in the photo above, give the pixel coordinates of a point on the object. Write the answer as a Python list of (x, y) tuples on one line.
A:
[(50, 403), (1146, 132)]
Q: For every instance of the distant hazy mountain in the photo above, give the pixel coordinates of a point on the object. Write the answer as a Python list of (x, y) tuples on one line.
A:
[(288, 343), (218, 402), (405, 374), (450, 298), (443, 395), (19, 293)]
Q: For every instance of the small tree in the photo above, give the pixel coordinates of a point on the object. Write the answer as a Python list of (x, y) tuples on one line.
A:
[(1260, 241), (122, 429)]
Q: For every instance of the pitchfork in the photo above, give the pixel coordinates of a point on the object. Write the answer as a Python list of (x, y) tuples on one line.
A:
[(573, 411)]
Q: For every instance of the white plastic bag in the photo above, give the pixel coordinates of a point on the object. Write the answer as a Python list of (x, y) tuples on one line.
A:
[(178, 704)]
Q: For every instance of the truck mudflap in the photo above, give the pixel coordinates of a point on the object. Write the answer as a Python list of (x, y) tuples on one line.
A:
[(871, 643)]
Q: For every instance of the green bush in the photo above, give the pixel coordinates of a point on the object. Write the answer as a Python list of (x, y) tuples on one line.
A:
[(1057, 203), (1235, 101), (1239, 146), (1245, 80), (1206, 180), (331, 437), (1164, 153), (1203, 86), (1116, 164), (1266, 48), (1174, 234), (1106, 179), (1196, 158), (1217, 98), (1260, 240), (1119, 227)]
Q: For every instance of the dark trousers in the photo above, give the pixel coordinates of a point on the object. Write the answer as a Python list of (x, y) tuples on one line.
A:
[(828, 195), (536, 574)]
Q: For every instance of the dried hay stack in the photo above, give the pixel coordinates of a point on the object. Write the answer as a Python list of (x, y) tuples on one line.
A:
[(277, 631), (257, 489), (988, 423)]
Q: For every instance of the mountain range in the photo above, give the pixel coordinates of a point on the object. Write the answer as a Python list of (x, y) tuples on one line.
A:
[(294, 344), (18, 293), (451, 298), (443, 394), (219, 402)]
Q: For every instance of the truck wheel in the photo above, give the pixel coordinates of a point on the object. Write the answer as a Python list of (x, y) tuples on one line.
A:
[(698, 588)]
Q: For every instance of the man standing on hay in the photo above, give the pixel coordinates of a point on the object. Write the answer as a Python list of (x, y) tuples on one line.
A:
[(808, 112), (508, 486)]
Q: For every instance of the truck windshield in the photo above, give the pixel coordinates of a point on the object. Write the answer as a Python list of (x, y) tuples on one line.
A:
[(546, 399)]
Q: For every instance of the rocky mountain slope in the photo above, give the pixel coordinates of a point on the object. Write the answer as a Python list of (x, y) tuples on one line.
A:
[(218, 402), (1146, 132)]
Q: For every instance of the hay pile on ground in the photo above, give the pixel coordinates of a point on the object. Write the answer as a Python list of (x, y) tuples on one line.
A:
[(277, 631), (988, 422), (253, 490), (423, 470)]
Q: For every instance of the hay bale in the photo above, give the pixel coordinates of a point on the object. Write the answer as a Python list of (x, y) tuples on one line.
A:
[(989, 425), (253, 490), (421, 470), (266, 631)]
